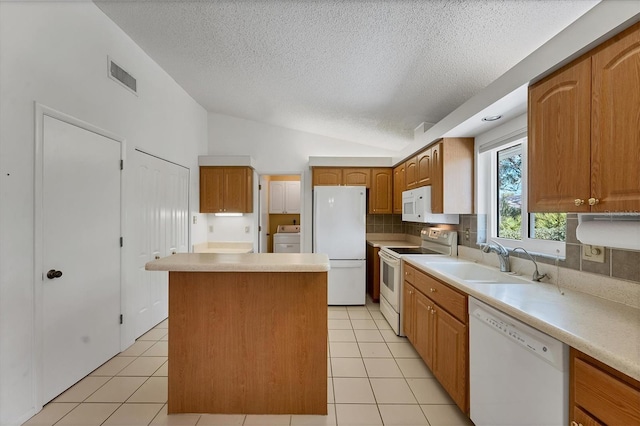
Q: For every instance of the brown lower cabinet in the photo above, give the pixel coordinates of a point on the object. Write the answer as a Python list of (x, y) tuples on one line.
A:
[(435, 320), (600, 395)]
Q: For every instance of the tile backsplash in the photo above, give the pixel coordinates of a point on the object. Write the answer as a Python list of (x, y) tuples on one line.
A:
[(621, 264), (385, 224)]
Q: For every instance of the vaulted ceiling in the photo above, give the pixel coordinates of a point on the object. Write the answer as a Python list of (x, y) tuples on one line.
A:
[(362, 71)]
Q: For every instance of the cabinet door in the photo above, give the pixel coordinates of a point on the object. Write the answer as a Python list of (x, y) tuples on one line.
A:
[(408, 311), (292, 197), (277, 197), (211, 189), (411, 172), (450, 346), (327, 176), (424, 167), (398, 187), (560, 141), (381, 193), (581, 418), (357, 177), (437, 182), (604, 396), (615, 139), (235, 190), (424, 327)]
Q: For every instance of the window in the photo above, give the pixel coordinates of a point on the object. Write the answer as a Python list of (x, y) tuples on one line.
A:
[(508, 220)]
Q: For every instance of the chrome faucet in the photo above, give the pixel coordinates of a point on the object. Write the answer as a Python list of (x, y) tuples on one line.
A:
[(536, 275), (501, 251)]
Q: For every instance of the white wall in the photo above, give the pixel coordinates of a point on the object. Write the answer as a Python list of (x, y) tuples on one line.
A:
[(277, 150), (232, 228), (55, 53)]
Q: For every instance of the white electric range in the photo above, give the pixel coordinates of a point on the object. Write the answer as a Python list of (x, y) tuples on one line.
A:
[(435, 242)]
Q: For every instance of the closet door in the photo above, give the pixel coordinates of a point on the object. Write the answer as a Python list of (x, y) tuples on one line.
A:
[(162, 229)]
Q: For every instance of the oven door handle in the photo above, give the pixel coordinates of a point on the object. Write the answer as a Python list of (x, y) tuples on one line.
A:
[(388, 259)]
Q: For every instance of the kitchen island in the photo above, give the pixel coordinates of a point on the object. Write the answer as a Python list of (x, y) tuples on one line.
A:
[(248, 333)]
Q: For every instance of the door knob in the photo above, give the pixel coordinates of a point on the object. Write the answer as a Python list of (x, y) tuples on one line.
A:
[(578, 202), (157, 257), (593, 201), (54, 274), (173, 252)]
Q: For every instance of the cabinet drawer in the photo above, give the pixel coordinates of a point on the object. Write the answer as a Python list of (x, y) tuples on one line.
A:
[(610, 400), (409, 273), (449, 299), (580, 418)]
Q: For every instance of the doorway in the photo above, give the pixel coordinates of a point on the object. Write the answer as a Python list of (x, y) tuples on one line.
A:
[(78, 270), (280, 204), (161, 220)]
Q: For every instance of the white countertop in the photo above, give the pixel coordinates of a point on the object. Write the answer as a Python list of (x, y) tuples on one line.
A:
[(606, 330), (250, 262)]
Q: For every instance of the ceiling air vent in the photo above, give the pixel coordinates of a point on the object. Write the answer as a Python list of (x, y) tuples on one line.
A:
[(118, 74)]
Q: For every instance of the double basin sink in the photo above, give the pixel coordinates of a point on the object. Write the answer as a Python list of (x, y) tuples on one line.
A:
[(474, 273)]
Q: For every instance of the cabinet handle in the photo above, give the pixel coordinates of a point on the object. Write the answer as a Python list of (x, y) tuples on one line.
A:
[(573, 423), (593, 201), (157, 257), (433, 290), (173, 252), (578, 202), (433, 311)]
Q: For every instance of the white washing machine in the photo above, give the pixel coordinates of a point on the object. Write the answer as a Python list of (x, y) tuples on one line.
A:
[(287, 239)]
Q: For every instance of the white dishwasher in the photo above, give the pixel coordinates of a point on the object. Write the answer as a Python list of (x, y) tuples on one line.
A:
[(517, 374)]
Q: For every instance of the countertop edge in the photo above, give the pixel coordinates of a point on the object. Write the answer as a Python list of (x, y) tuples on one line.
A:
[(598, 351), (250, 262)]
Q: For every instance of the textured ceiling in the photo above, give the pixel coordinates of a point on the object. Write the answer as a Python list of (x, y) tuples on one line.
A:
[(363, 71)]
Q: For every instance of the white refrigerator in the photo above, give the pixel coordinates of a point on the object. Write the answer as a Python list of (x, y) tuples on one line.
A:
[(339, 230)]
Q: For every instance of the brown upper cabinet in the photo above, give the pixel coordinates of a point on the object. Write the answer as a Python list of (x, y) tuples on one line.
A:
[(423, 167), (226, 189), (381, 193), (452, 176), (447, 166), (411, 172), (584, 143), (398, 187), (378, 180), (357, 177), (327, 176)]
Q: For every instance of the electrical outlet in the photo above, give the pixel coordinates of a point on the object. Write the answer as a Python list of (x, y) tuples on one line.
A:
[(195, 220), (593, 253), (210, 228), (247, 229)]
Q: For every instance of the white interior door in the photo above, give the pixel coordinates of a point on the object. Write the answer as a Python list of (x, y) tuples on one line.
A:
[(81, 253), (162, 222)]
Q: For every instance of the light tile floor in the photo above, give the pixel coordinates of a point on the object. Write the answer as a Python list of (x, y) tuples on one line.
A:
[(375, 378)]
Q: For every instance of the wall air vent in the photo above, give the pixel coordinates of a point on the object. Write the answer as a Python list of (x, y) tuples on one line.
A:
[(117, 73)]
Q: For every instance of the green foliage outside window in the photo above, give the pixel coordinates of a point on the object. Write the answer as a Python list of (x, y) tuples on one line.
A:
[(544, 226)]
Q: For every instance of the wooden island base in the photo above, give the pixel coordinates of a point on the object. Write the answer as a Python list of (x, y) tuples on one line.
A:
[(248, 342)]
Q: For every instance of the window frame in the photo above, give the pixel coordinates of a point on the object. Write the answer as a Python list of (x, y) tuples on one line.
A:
[(532, 245)]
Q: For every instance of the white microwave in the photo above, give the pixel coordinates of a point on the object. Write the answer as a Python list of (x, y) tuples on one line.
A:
[(416, 207)]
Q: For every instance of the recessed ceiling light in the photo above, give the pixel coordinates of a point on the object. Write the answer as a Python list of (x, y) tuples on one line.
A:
[(492, 118)]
